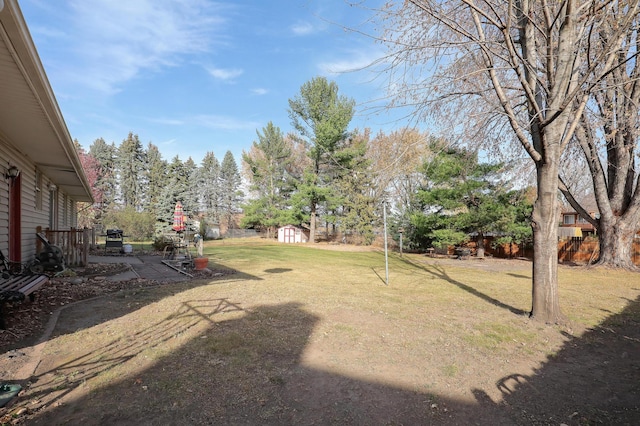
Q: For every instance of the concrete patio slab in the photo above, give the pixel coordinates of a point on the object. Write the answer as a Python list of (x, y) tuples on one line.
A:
[(145, 267)]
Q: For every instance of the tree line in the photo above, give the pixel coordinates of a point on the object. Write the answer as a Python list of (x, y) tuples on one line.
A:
[(323, 175), (136, 190)]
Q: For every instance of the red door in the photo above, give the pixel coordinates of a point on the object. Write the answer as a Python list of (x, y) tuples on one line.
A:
[(15, 235)]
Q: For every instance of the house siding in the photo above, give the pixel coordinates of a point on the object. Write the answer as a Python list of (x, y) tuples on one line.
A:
[(34, 138), (4, 208), (31, 216)]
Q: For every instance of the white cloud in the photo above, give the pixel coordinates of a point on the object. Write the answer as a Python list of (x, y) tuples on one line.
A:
[(259, 91), (222, 122), (114, 41), (302, 28), (225, 74), (48, 32), (168, 142), (352, 61)]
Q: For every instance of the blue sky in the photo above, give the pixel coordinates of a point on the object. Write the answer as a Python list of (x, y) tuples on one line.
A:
[(193, 76)]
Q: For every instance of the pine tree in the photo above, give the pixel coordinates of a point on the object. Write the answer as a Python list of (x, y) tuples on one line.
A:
[(355, 191), (155, 176), (463, 196), (131, 165), (190, 195), (174, 190), (208, 179), (106, 182), (231, 196), (266, 167), (321, 117)]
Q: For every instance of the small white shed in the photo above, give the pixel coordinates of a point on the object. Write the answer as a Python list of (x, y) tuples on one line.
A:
[(292, 234)]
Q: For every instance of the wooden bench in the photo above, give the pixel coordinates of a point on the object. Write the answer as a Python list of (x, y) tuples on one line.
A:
[(17, 288)]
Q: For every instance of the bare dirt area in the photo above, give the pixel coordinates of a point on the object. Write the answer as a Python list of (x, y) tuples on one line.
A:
[(321, 342)]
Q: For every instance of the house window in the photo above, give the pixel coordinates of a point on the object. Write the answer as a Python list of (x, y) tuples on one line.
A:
[(38, 190), (569, 219), (582, 220)]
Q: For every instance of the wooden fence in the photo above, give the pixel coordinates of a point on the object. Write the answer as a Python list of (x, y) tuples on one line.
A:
[(74, 243), (503, 251), (586, 250), (570, 250)]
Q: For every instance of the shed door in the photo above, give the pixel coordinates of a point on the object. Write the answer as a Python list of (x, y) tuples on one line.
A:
[(15, 235), (289, 235)]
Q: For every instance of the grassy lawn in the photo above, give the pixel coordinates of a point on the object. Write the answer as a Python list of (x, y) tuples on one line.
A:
[(304, 335)]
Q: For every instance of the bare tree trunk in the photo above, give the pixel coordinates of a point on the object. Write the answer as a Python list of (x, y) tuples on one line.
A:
[(541, 55), (545, 300), (312, 224), (616, 243), (619, 211)]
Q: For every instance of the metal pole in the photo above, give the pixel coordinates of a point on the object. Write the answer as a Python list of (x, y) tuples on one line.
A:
[(386, 256)]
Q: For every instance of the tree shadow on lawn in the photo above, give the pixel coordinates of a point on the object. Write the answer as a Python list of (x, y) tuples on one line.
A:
[(251, 370), (593, 379), (115, 305), (527, 277), (277, 270), (246, 370), (88, 313), (440, 272)]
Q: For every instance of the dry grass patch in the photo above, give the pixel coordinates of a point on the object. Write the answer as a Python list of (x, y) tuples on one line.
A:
[(308, 336)]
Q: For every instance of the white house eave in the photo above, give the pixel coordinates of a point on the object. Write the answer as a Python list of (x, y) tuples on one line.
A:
[(43, 137)]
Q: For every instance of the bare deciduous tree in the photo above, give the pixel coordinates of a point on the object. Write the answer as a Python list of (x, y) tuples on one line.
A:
[(395, 160), (529, 66), (608, 136)]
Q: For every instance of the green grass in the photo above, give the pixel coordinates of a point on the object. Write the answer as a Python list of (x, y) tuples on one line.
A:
[(264, 254), (140, 246)]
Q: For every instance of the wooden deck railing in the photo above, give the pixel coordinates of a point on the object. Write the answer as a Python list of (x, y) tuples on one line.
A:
[(74, 243)]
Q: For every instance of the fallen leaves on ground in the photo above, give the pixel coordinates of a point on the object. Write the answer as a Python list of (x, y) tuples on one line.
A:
[(25, 321)]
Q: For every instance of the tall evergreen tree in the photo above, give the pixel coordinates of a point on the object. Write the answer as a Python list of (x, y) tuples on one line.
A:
[(321, 117), (106, 181), (190, 195), (266, 167), (155, 175), (131, 165), (355, 189), (231, 195), (209, 187), (174, 190)]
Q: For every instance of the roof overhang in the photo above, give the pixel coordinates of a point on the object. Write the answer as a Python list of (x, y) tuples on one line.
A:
[(30, 119)]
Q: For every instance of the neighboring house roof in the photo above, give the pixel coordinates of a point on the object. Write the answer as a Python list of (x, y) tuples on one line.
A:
[(30, 119), (588, 202)]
